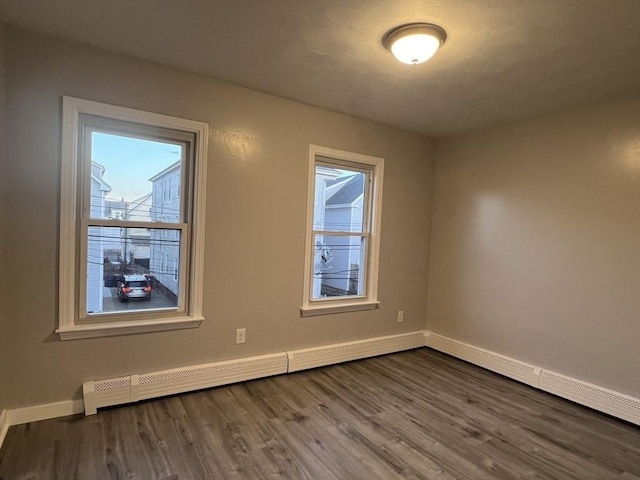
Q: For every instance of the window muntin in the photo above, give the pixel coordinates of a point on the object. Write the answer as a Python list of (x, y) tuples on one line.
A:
[(117, 220), (343, 231)]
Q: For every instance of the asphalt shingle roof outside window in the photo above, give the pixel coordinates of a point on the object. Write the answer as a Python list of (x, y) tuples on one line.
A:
[(349, 192)]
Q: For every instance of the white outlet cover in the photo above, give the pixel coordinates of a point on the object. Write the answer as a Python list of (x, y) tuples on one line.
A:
[(241, 335)]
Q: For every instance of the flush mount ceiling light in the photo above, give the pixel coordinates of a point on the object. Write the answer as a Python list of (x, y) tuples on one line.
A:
[(414, 43)]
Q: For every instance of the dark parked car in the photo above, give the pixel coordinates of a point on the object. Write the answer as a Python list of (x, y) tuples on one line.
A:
[(134, 286)]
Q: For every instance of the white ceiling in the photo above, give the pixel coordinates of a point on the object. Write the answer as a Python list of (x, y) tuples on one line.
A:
[(503, 59)]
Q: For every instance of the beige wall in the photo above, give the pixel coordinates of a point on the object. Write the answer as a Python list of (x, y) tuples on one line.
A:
[(534, 252), (535, 247), (256, 194)]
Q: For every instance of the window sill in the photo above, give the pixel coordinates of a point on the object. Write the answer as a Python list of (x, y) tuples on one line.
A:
[(326, 309), (93, 330)]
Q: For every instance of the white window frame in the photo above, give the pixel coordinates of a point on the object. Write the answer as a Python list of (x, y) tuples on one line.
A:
[(71, 283), (374, 166)]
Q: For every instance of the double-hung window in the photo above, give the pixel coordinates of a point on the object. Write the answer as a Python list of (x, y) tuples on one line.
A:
[(343, 231), (131, 221)]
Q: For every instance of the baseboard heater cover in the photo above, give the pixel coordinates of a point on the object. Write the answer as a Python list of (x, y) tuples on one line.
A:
[(594, 396), (133, 388), (495, 362), (344, 352), (599, 398)]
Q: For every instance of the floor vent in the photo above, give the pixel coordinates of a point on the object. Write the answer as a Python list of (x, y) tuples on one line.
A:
[(116, 391), (344, 352)]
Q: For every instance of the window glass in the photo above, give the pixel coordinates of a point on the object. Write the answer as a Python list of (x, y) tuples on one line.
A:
[(339, 208), (134, 257), (131, 179), (337, 262), (124, 172), (337, 196)]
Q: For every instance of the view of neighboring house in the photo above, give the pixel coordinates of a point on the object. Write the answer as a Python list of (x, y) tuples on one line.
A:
[(128, 245), (164, 259), (138, 246), (338, 207), (95, 243), (122, 249), (343, 209), (112, 238)]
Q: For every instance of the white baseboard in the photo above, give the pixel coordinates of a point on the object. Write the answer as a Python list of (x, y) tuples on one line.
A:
[(44, 412), (599, 398), (114, 391), (36, 413), (506, 366), (133, 388), (344, 352), (594, 396)]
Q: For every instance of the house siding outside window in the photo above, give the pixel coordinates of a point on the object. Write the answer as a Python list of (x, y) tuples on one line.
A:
[(165, 250)]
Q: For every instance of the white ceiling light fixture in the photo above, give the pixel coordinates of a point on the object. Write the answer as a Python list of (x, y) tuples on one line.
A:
[(414, 43)]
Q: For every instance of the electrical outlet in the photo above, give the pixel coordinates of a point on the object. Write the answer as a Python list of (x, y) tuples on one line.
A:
[(400, 316), (241, 335)]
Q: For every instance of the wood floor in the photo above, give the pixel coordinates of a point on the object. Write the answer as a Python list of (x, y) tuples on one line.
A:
[(412, 415)]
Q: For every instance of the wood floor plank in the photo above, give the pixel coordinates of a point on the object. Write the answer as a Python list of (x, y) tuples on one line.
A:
[(413, 415)]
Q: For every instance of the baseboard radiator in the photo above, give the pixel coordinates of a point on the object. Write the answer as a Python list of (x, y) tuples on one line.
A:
[(344, 352), (593, 396), (136, 387), (133, 388)]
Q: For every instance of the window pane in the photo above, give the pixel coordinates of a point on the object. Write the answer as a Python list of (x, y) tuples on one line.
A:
[(338, 263), (339, 200), (130, 269), (135, 179)]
